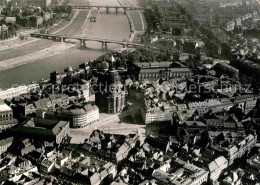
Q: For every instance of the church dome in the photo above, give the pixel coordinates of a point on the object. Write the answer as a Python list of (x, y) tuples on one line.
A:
[(104, 65)]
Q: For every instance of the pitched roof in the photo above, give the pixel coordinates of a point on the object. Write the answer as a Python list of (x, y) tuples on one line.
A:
[(157, 70), (94, 178), (153, 64), (4, 107), (195, 123), (213, 166), (220, 161)]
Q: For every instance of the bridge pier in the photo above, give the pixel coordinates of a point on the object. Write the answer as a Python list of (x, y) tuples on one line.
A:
[(131, 27), (124, 10), (82, 44), (63, 39), (104, 46), (124, 45), (107, 8), (116, 10), (93, 19), (57, 39)]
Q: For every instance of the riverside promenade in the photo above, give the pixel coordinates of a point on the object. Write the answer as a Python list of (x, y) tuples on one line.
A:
[(136, 20)]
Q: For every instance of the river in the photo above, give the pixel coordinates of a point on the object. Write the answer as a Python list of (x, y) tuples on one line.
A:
[(108, 26)]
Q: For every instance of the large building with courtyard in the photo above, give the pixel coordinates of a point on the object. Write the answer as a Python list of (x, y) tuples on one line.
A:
[(53, 131), (158, 70)]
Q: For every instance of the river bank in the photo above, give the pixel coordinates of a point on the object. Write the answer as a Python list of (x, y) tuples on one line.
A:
[(35, 49), (34, 56), (108, 26), (16, 41), (136, 20)]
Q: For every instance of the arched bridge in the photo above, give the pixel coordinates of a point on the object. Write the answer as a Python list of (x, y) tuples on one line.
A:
[(125, 8), (83, 40)]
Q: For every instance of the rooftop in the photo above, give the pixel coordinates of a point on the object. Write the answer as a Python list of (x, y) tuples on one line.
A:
[(6, 141), (154, 64), (42, 127), (13, 89), (4, 107)]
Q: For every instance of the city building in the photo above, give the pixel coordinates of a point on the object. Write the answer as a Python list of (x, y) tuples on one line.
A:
[(110, 94), (116, 148), (3, 31), (216, 167), (108, 168), (52, 101), (224, 68), (214, 133), (24, 109), (198, 82), (156, 142), (237, 148), (70, 74), (43, 130), (177, 171), (78, 116), (6, 116), (85, 89), (254, 161), (5, 144), (36, 21), (210, 104), (125, 148), (183, 56), (156, 70), (46, 166), (151, 112), (192, 126), (17, 91)]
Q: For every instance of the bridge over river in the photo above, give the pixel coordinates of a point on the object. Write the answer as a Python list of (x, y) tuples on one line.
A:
[(125, 8), (83, 40)]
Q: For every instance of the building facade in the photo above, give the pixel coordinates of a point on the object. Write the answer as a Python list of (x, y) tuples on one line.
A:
[(156, 70), (216, 167), (111, 94), (83, 72), (5, 144), (60, 131), (244, 146), (78, 116), (53, 131), (180, 172), (17, 91), (156, 114), (91, 115), (6, 115)]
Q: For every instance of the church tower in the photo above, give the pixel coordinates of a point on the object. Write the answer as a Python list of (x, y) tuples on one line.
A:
[(110, 97)]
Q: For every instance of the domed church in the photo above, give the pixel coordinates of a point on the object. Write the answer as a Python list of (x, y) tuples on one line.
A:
[(110, 94)]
